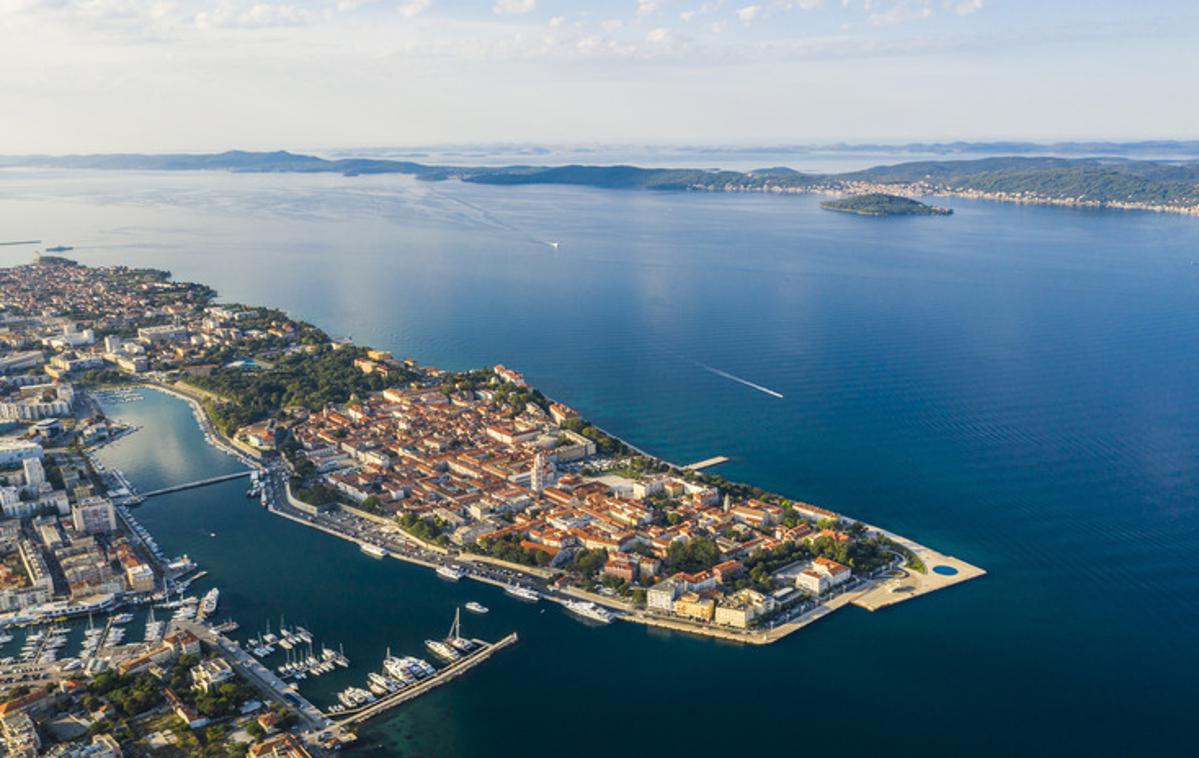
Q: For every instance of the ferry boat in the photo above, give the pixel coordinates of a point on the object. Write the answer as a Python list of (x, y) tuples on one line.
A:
[(373, 551), (474, 607), (589, 611), (452, 573), (523, 593)]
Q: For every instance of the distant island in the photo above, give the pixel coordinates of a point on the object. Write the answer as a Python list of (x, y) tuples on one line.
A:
[(881, 204), (1151, 185)]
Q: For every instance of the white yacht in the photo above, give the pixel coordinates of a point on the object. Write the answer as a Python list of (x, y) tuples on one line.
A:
[(373, 551), (523, 593), (443, 650), (589, 611), (209, 603)]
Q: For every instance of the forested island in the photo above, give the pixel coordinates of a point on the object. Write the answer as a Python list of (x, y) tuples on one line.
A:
[(880, 204), (1165, 186)]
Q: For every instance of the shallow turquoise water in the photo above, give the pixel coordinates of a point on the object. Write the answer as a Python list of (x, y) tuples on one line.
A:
[(1012, 385)]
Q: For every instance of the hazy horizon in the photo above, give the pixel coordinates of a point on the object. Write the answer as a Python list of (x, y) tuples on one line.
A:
[(102, 76)]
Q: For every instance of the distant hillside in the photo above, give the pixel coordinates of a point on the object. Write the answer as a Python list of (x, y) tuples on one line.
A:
[(880, 204), (1104, 181), (1112, 182), (234, 160)]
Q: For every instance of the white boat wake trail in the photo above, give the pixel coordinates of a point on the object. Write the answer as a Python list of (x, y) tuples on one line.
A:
[(725, 374), (488, 218), (738, 379)]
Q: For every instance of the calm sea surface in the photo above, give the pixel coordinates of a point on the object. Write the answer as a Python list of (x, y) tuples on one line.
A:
[(1012, 385)]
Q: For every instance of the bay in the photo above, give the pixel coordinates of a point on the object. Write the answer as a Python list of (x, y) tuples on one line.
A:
[(1012, 384)]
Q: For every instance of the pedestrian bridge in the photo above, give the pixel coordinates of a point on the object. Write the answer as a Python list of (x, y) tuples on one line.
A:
[(197, 483)]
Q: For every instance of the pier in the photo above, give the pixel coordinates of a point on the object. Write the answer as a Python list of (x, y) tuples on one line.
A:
[(707, 463), (197, 483), (452, 671)]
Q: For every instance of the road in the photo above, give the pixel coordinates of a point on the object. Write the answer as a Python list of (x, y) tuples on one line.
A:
[(390, 538)]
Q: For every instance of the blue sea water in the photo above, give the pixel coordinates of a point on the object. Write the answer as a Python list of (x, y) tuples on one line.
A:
[(1012, 385)]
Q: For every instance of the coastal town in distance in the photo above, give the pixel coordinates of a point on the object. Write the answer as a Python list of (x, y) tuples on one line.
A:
[(472, 474)]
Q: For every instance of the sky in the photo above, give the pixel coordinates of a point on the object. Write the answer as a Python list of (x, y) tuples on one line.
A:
[(79, 76)]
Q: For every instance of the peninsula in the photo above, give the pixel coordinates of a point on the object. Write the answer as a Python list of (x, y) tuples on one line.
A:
[(1149, 185), (879, 204), (475, 474)]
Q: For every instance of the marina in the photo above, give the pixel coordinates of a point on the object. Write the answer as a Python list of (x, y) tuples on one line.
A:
[(370, 709)]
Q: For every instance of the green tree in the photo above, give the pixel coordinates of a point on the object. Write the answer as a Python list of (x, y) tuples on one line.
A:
[(695, 555), (586, 563)]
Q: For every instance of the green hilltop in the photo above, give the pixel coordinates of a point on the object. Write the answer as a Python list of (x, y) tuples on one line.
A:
[(881, 204)]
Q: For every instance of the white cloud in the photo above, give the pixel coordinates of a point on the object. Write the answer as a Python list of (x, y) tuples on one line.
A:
[(229, 14), (658, 36), (515, 7), (540, 78), (706, 9), (557, 21), (899, 12), (749, 13), (646, 7), (268, 14), (18, 6), (414, 8), (966, 7), (108, 8)]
